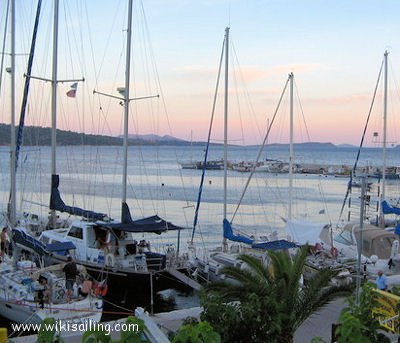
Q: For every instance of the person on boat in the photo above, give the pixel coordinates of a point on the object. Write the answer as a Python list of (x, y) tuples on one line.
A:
[(381, 281), (104, 243), (71, 271), (4, 242), (44, 291), (143, 245), (85, 289)]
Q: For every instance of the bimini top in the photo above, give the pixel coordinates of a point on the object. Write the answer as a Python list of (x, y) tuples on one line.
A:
[(375, 241), (150, 224)]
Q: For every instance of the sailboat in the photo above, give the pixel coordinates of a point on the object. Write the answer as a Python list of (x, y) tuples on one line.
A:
[(374, 238), (206, 265), (104, 246), (29, 294)]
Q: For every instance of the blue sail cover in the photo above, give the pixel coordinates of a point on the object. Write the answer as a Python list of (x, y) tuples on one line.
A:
[(275, 245), (57, 204), (30, 242), (228, 234), (397, 229), (153, 224), (22, 238), (387, 209)]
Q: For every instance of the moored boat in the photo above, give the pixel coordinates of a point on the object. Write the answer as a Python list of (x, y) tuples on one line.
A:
[(29, 294)]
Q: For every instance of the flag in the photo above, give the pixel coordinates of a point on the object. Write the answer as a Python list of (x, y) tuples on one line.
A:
[(72, 92)]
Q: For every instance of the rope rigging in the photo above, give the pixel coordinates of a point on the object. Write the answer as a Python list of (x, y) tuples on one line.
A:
[(353, 170), (196, 213), (260, 150)]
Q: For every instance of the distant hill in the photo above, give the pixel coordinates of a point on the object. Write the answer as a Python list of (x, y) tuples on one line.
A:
[(346, 146), (305, 146), (156, 138), (41, 136)]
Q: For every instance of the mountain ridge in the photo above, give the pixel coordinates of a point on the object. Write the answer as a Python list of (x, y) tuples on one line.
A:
[(41, 136)]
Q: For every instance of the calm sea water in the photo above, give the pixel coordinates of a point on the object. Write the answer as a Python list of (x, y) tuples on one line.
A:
[(90, 177)]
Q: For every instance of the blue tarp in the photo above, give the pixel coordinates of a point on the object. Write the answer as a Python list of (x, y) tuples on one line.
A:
[(275, 245), (228, 234), (387, 209)]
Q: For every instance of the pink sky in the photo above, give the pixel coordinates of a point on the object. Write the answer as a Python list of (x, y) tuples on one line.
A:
[(334, 55)]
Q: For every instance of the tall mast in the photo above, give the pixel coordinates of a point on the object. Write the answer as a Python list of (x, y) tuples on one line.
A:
[(384, 162), (291, 157), (54, 102), (224, 243), (126, 101), (12, 204), (54, 90)]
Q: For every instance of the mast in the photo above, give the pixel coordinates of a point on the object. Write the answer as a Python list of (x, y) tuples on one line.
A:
[(384, 162), (224, 243), (12, 204), (124, 92), (126, 103), (291, 157), (54, 102)]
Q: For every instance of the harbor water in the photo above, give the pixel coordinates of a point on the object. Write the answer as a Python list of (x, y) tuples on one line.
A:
[(90, 177)]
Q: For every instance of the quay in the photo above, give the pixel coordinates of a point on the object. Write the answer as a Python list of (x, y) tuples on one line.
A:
[(282, 167)]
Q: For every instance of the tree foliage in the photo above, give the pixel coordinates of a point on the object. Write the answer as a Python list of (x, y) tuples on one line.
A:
[(201, 332), (267, 303), (357, 323)]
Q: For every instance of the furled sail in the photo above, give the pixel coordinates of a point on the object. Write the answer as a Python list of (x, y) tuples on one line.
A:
[(387, 209), (228, 234), (57, 204), (272, 245), (279, 244)]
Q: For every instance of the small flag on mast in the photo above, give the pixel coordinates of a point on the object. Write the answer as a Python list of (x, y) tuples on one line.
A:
[(72, 92)]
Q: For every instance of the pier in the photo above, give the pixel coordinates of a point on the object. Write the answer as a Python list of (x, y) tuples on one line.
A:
[(185, 279)]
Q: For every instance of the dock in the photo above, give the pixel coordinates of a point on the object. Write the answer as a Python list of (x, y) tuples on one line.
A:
[(185, 279)]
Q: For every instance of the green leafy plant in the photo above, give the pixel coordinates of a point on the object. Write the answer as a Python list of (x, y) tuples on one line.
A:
[(101, 336), (47, 332), (351, 330), (317, 340), (357, 323), (133, 336), (201, 332)]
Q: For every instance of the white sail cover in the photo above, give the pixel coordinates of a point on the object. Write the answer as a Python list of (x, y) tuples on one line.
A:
[(304, 231)]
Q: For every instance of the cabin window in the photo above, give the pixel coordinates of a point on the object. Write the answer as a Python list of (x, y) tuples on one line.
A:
[(76, 232), (344, 238)]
